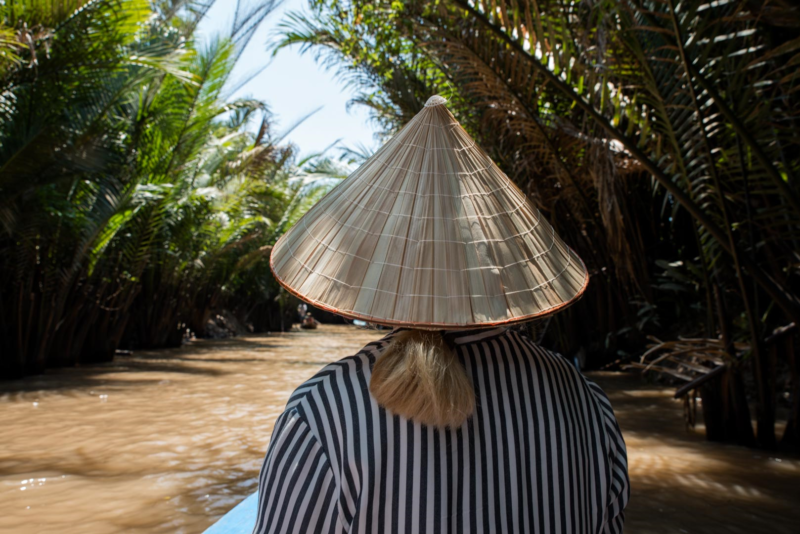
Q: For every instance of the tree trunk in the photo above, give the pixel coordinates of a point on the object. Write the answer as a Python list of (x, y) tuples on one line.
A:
[(725, 410), (791, 435)]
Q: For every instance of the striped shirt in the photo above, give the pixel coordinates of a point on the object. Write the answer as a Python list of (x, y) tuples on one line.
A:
[(542, 452)]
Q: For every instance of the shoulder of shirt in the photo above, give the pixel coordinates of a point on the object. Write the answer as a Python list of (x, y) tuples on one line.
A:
[(337, 374), (596, 391), (557, 358), (540, 351)]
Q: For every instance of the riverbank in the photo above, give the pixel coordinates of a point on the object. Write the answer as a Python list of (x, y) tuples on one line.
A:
[(168, 441)]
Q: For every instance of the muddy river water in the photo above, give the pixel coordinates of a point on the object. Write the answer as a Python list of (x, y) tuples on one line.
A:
[(168, 441)]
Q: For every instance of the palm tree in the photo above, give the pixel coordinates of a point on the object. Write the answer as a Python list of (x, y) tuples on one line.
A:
[(63, 152), (135, 192)]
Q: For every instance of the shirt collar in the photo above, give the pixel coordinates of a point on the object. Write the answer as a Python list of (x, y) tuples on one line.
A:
[(461, 337)]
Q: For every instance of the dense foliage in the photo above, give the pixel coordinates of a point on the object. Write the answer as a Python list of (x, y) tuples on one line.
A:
[(661, 139), (135, 195)]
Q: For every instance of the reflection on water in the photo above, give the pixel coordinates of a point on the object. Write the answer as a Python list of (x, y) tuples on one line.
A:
[(168, 441)]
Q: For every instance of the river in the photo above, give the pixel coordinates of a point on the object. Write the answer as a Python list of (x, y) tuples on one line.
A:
[(168, 441)]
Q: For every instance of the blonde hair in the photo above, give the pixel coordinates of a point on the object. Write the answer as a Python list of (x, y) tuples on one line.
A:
[(420, 378)]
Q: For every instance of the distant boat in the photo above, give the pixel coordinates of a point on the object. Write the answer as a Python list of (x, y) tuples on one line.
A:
[(240, 520), (309, 323)]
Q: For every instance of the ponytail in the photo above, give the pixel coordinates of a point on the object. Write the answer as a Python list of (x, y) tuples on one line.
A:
[(420, 378)]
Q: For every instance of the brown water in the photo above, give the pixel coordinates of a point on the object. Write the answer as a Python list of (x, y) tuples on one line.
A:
[(168, 441)]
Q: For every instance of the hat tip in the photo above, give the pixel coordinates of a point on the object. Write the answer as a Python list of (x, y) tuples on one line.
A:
[(435, 100)]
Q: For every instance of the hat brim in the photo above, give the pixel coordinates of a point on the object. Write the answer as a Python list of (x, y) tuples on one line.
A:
[(429, 325)]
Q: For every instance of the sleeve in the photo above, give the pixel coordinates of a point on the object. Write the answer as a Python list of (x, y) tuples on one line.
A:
[(296, 487), (620, 490)]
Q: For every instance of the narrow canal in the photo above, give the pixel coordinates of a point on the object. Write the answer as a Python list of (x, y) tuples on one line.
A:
[(168, 441)]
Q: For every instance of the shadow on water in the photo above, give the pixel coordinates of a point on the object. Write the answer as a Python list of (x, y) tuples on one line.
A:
[(109, 375), (125, 369)]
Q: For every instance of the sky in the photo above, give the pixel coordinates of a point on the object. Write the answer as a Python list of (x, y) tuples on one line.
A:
[(294, 85)]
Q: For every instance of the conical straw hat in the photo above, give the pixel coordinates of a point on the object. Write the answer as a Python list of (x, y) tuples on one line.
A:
[(429, 233)]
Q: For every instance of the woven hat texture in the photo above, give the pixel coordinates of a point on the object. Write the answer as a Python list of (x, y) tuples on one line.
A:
[(429, 233)]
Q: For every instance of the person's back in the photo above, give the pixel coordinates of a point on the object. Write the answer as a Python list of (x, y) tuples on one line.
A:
[(540, 453)]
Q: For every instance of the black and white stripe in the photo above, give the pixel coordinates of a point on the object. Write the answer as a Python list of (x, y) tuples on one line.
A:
[(542, 453)]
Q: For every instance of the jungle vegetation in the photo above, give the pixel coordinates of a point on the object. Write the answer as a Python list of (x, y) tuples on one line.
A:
[(136, 196), (661, 138)]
